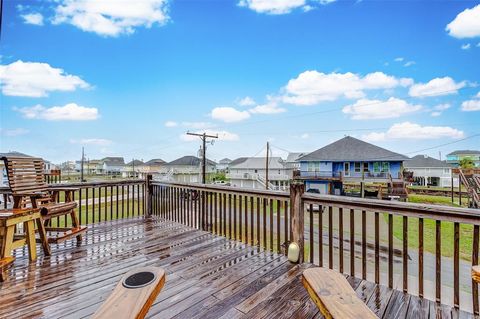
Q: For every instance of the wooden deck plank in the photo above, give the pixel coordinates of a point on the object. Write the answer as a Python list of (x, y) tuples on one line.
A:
[(207, 277)]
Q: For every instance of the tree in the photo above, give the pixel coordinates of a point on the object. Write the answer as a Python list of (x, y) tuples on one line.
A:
[(466, 163)]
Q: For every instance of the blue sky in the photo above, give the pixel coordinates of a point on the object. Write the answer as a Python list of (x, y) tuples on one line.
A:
[(129, 79)]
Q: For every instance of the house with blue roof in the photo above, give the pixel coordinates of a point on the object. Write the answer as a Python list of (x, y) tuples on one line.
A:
[(349, 160)]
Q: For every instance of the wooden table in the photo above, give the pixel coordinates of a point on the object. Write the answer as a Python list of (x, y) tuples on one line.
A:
[(9, 218)]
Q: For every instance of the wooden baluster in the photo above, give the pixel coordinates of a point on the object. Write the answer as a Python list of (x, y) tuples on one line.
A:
[(235, 217), (271, 225), (405, 254), (330, 237), (80, 200), (352, 242), (240, 219), (111, 202), (86, 205), (252, 224), (438, 261), (257, 211), (364, 245), (217, 226), (340, 237), (100, 204), (320, 236), (377, 248), (420, 257), (128, 200), (138, 199), (195, 218), (230, 215), (286, 222), (278, 226), (210, 201), (390, 250), (311, 234), (123, 201), (475, 247), (246, 218), (264, 226), (456, 265)]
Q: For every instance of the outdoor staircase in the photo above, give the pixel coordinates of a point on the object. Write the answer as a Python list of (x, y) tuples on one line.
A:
[(261, 180), (397, 187), (472, 183)]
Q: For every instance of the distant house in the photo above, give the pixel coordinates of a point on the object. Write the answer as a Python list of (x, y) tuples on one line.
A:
[(133, 169), (455, 157), (250, 172), (186, 169), (348, 160), (154, 166), (428, 171), (112, 165), (223, 164), (292, 164)]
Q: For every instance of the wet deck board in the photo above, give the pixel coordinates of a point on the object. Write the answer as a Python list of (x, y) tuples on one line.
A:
[(207, 277)]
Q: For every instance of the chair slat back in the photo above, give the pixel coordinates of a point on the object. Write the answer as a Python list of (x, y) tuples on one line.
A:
[(25, 175)]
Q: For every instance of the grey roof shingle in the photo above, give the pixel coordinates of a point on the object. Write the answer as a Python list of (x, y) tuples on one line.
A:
[(237, 161), (14, 154), (423, 161), (225, 161), (293, 157), (352, 149), (155, 161), (135, 162), (259, 163), (114, 161), (189, 160), (465, 152)]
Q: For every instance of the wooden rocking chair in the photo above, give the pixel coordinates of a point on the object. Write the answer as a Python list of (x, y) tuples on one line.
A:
[(27, 184)]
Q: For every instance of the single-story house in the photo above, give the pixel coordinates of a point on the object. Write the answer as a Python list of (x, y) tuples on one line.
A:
[(429, 171)]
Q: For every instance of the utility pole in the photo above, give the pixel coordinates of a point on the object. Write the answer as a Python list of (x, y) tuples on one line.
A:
[(266, 166), (81, 165), (203, 137)]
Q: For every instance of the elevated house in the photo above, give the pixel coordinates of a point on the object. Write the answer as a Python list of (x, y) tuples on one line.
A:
[(133, 169), (186, 169), (428, 171), (350, 160), (250, 172), (292, 164), (223, 164), (455, 157), (154, 166), (112, 165)]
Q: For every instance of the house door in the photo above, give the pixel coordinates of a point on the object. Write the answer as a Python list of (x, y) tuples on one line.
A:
[(346, 168)]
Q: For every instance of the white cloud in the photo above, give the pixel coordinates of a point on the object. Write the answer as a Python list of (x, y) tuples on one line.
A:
[(471, 105), (305, 136), (478, 95), (33, 18), (247, 101), (478, 45), (281, 6), (399, 59), (171, 124), (465, 46), (466, 24), (271, 107), (437, 110), (222, 136), (229, 114), (436, 87), (313, 87), (34, 79), (13, 132), (436, 113), (69, 112), (409, 63), (111, 17), (407, 130), (92, 141), (365, 109)]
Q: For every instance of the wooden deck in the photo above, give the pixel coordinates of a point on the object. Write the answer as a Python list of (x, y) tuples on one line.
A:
[(207, 277)]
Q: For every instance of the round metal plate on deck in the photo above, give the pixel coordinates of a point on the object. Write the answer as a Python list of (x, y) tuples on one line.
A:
[(139, 280)]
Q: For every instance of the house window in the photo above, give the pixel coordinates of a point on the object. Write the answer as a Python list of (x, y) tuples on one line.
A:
[(278, 172), (446, 170), (376, 167), (357, 167), (365, 167), (311, 166), (256, 171), (385, 167)]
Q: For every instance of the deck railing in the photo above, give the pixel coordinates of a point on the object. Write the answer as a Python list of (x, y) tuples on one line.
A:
[(425, 250)]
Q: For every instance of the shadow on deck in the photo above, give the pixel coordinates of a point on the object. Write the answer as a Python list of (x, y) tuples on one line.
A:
[(207, 277)]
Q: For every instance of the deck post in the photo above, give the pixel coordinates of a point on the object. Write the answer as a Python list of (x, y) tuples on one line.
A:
[(297, 216), (148, 194)]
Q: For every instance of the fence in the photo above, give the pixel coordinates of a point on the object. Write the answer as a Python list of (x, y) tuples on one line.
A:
[(426, 250)]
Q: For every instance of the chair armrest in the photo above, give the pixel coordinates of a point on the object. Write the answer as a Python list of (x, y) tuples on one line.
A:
[(476, 273), (32, 194)]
